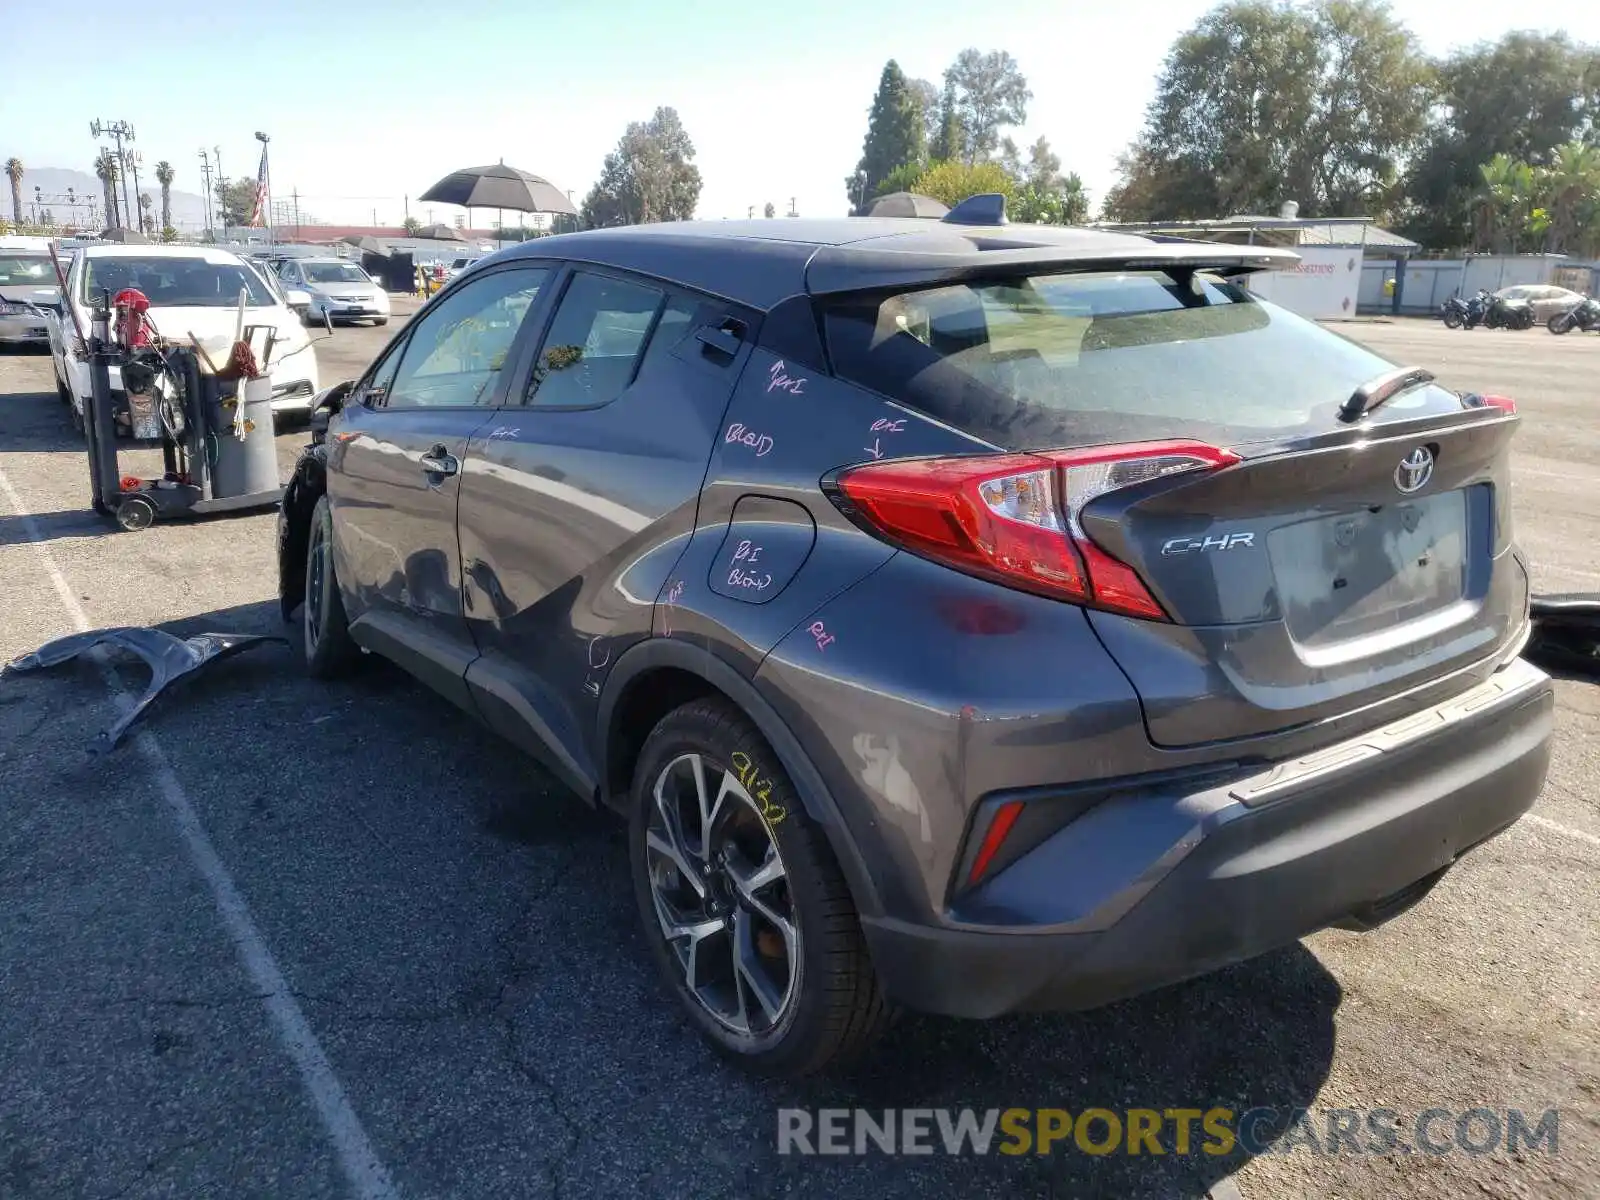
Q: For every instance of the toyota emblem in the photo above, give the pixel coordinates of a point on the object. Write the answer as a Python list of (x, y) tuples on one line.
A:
[(1414, 471)]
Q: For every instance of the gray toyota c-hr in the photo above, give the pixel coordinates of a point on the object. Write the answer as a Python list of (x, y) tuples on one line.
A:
[(966, 616)]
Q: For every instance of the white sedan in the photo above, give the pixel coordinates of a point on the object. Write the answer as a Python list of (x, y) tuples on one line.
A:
[(192, 290)]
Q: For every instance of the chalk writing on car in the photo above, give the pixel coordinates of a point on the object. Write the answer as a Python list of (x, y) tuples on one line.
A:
[(777, 378), (821, 634), (759, 442)]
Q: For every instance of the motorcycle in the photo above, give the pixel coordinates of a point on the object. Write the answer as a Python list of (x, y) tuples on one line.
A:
[(1507, 314), (1584, 315), (1453, 312)]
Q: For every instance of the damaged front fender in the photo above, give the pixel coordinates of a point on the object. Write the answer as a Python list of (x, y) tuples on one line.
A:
[(169, 659), (305, 488)]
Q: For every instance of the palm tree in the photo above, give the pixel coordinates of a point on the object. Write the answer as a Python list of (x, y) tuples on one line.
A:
[(1573, 178), (1505, 203), (105, 169), (165, 176), (14, 174), (147, 225)]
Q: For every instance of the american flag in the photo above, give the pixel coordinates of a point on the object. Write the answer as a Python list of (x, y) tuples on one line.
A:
[(259, 212)]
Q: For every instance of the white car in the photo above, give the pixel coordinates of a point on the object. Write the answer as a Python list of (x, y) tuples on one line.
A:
[(192, 290), (339, 290), (28, 293)]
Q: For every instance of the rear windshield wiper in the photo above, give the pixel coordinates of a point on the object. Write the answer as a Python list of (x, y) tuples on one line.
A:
[(1384, 388)]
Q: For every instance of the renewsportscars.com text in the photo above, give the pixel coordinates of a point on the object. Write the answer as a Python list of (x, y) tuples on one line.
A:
[(1151, 1131)]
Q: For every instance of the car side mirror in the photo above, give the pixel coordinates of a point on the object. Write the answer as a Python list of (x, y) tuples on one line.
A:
[(298, 299)]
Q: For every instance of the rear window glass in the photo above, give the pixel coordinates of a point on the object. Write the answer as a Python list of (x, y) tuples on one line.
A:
[(1089, 357)]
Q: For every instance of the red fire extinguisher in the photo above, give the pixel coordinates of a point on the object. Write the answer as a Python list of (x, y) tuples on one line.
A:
[(130, 321)]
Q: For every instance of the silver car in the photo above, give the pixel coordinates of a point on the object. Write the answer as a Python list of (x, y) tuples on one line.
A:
[(28, 296), (339, 290)]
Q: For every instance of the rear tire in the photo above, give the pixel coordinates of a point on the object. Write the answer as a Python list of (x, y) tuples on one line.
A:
[(1452, 320), (330, 651), (381, 322), (770, 962), (1560, 323)]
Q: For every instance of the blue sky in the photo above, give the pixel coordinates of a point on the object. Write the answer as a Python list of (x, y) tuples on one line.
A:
[(367, 102)]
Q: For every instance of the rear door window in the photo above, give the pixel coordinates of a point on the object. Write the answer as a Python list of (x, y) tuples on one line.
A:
[(595, 342), (1084, 358)]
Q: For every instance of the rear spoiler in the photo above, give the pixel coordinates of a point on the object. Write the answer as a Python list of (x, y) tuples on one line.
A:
[(858, 268)]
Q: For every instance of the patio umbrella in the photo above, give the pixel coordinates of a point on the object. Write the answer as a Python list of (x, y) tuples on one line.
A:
[(365, 243), (499, 187), (502, 187), (441, 233), (128, 237), (907, 204)]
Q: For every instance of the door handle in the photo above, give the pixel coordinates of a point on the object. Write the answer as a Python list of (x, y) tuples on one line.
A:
[(439, 461)]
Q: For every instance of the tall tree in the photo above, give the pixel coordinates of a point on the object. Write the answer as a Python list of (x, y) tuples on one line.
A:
[(650, 176), (770, 211), (988, 93), (14, 175), (895, 135), (236, 202), (147, 224), (927, 97), (948, 142), (1522, 97), (164, 176), (105, 170), (1264, 101)]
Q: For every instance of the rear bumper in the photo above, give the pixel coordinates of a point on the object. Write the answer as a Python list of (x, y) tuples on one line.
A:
[(1147, 890)]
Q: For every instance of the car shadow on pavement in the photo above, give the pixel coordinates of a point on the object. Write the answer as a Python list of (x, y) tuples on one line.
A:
[(444, 910)]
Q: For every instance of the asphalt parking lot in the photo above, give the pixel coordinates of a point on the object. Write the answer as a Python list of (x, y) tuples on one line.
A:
[(302, 940)]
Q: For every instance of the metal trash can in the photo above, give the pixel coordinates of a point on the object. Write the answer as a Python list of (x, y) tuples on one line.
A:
[(250, 464)]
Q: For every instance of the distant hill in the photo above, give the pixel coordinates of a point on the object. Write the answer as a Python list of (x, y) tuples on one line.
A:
[(188, 208)]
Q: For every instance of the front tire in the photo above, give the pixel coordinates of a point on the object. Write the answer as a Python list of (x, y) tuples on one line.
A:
[(1452, 320), (1560, 323), (381, 322), (330, 651), (746, 912)]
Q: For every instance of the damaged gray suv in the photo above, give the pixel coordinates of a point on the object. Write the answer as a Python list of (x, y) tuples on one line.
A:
[(964, 616)]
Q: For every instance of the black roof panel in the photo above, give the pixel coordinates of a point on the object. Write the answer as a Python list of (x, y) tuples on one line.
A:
[(760, 263)]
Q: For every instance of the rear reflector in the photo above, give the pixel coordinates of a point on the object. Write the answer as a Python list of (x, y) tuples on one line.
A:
[(993, 838), (1014, 518)]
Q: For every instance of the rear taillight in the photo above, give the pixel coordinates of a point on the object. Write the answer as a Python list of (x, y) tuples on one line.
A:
[(1015, 518), (1503, 403)]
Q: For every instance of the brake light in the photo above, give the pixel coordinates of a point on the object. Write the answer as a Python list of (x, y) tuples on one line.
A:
[(1015, 518), (1503, 403)]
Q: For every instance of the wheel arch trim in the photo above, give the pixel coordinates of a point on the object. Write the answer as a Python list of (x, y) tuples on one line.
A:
[(654, 654)]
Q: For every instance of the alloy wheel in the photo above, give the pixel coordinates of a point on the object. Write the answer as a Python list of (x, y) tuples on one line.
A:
[(721, 894), (316, 568)]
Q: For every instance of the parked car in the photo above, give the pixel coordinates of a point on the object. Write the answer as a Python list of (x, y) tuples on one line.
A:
[(1545, 299), (29, 294), (976, 620), (192, 290), (339, 290)]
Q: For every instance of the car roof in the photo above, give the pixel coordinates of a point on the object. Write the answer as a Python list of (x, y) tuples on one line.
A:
[(761, 263), (117, 250)]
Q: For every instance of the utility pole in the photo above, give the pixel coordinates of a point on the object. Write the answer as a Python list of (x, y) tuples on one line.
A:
[(221, 212), (296, 194), (793, 211), (205, 172), (134, 159), (121, 131)]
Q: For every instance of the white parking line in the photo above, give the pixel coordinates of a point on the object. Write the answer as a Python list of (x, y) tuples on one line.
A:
[(362, 1167), (1557, 827)]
